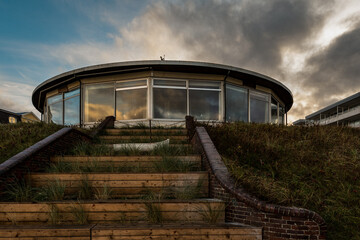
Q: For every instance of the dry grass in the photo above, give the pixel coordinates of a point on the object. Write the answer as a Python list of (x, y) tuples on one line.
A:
[(312, 167)]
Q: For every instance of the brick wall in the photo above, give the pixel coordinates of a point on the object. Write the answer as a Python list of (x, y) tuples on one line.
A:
[(278, 222)]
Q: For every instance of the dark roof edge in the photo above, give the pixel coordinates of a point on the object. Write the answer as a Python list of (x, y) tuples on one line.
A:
[(352, 97)]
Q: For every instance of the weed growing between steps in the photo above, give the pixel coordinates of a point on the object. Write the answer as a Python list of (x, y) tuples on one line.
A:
[(211, 214), (88, 149), (153, 213), (316, 167)]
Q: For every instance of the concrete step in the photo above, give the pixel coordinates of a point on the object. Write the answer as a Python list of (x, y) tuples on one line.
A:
[(113, 211), (126, 185), (134, 163), (145, 131), (131, 232)]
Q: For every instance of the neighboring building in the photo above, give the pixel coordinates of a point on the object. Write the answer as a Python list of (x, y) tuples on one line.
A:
[(11, 117), (163, 92), (299, 122), (343, 112)]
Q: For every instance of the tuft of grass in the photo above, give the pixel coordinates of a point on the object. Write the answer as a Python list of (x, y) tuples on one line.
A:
[(211, 214), (85, 190), (153, 213), (173, 164), (103, 193), (19, 191), (315, 167), (54, 191), (190, 192), (89, 149), (54, 214), (15, 138), (79, 214)]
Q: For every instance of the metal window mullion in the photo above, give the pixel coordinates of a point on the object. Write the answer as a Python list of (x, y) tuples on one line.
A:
[(205, 89), (248, 105), (187, 98), (115, 100)]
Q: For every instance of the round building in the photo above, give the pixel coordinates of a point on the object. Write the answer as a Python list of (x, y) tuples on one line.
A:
[(162, 92)]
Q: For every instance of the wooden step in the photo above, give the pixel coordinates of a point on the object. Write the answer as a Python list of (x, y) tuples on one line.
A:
[(177, 232), (46, 232), (173, 139), (132, 232), (129, 185), (145, 131), (143, 163), (116, 211)]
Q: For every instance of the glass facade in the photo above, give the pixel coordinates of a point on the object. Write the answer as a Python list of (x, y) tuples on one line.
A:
[(204, 100), (236, 103), (164, 99), (55, 109), (274, 111), (99, 101), (259, 107), (131, 100)]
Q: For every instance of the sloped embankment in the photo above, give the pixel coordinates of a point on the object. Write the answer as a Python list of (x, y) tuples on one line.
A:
[(317, 168)]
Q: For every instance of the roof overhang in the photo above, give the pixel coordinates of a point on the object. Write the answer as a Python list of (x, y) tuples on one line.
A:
[(248, 77)]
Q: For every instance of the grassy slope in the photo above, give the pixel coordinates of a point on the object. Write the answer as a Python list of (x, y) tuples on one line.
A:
[(312, 167), (16, 137)]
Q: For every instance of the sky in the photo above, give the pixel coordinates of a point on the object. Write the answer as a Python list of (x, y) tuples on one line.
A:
[(311, 46)]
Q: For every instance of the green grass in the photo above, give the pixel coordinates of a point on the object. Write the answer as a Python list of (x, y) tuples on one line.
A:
[(18, 191), (15, 138), (317, 168)]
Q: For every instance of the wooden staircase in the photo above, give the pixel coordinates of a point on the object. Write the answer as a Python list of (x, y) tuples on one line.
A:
[(160, 194)]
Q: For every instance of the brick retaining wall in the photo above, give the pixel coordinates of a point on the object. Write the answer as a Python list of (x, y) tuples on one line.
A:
[(278, 222)]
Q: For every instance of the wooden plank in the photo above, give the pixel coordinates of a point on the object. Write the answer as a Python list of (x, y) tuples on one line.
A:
[(121, 158), (45, 232), (118, 176), (189, 211), (155, 138), (219, 231), (146, 131)]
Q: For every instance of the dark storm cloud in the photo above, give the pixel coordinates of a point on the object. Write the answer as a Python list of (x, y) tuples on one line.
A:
[(249, 34), (335, 71)]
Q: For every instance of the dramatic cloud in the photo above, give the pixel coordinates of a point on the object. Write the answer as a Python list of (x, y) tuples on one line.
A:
[(334, 72), (279, 38)]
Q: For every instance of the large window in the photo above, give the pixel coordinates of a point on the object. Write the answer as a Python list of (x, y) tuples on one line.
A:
[(259, 107), (131, 100), (64, 108), (72, 107), (236, 103), (169, 99), (99, 101), (204, 100), (281, 115), (55, 109), (274, 111)]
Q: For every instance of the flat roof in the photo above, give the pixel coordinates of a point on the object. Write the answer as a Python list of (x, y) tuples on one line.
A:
[(350, 101), (38, 95)]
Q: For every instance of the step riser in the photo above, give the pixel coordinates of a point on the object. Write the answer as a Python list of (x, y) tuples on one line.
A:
[(127, 185), (154, 138), (109, 212), (167, 132), (126, 163), (97, 232), (81, 233)]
